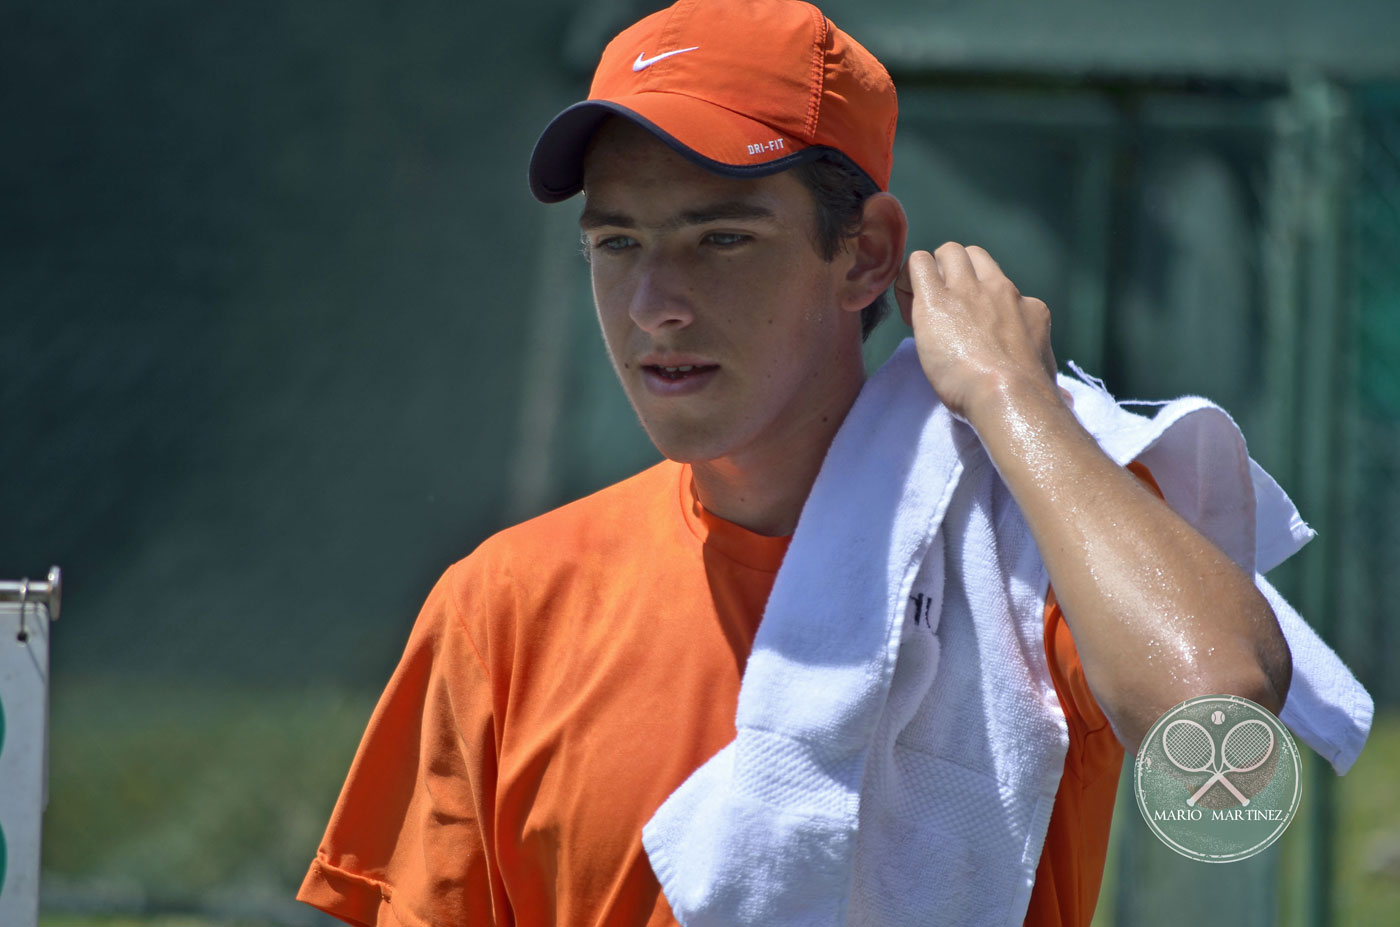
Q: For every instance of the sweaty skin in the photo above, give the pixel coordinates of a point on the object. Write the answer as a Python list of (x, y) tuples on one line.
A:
[(1158, 613), (739, 348)]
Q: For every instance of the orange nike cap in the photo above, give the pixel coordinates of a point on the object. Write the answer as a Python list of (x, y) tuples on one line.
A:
[(744, 88)]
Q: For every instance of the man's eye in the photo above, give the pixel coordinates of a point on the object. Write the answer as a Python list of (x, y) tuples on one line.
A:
[(725, 239), (614, 243)]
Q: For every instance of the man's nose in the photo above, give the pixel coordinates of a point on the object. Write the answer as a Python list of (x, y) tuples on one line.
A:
[(661, 299)]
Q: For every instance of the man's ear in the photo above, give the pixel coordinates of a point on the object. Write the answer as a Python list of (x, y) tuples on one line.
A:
[(875, 253)]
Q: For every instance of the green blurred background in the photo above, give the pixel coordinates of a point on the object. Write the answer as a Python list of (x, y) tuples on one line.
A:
[(282, 335)]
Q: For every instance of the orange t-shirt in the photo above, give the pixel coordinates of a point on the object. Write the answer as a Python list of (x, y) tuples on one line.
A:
[(560, 683)]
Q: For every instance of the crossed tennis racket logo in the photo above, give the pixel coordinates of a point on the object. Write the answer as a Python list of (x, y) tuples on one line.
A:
[(1191, 748)]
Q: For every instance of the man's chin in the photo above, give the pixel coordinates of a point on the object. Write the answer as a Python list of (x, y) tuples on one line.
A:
[(694, 439), (683, 456), (687, 449)]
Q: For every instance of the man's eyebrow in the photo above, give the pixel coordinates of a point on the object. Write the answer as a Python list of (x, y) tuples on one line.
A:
[(712, 212), (731, 209), (596, 218)]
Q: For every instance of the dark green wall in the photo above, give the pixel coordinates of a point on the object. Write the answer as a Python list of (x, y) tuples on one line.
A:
[(264, 282)]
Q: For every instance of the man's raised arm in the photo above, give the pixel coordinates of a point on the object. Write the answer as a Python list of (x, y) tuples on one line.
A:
[(1157, 611)]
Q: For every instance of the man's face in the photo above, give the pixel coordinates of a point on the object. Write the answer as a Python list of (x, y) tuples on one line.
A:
[(720, 317)]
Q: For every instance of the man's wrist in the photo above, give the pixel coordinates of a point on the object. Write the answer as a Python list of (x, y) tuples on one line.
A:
[(1010, 401)]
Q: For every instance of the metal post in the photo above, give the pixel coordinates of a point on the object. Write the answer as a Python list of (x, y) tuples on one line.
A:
[(1317, 124), (26, 610)]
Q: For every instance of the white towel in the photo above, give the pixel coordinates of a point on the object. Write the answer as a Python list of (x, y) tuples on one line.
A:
[(1201, 470), (816, 680), (899, 739)]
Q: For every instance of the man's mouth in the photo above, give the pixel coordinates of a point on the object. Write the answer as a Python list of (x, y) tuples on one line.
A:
[(681, 372), (678, 379)]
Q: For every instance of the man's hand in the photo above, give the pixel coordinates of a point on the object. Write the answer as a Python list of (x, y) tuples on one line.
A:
[(980, 341)]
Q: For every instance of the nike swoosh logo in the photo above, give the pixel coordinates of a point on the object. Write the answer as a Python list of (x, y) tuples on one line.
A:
[(643, 62)]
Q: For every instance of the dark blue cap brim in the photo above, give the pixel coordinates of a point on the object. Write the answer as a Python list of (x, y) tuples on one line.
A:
[(556, 165)]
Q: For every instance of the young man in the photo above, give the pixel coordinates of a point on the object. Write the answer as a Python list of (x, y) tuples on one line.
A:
[(571, 673)]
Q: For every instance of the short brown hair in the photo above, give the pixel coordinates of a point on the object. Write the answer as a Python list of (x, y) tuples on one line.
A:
[(840, 190)]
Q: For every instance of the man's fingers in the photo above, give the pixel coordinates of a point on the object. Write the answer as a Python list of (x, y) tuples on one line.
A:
[(983, 264), (1037, 317), (919, 273), (953, 262), (1036, 311), (904, 294)]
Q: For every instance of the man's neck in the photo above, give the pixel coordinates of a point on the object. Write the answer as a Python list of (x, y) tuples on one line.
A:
[(764, 487)]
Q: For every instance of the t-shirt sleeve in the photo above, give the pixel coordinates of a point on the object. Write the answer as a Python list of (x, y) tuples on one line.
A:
[(1081, 709), (409, 843)]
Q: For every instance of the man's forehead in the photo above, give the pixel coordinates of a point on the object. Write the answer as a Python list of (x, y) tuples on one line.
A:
[(600, 214)]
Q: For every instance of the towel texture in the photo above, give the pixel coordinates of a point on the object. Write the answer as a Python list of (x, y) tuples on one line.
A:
[(897, 703)]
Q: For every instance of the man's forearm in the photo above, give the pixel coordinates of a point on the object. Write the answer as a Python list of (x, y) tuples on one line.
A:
[(1158, 612)]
